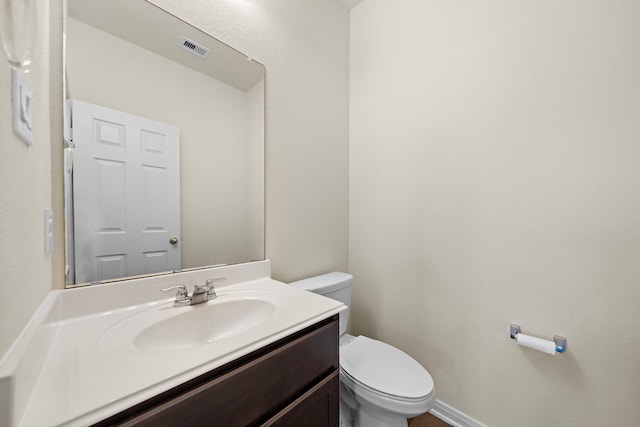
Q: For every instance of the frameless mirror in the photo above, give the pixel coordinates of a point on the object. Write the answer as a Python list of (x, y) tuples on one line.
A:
[(165, 152)]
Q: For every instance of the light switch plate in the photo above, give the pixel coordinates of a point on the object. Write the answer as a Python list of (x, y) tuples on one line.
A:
[(21, 101)]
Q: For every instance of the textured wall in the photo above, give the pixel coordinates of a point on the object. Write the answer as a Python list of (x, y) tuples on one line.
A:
[(25, 190), (494, 177), (304, 46)]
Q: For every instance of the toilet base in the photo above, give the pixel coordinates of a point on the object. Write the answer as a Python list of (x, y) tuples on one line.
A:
[(348, 407), (354, 414), (366, 419)]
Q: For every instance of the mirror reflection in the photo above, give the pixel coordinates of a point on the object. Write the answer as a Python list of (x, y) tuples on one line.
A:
[(165, 159)]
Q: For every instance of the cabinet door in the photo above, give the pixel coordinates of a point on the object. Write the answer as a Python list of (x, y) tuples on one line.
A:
[(252, 392), (316, 408)]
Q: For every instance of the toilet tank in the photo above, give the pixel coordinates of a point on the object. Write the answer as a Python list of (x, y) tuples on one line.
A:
[(334, 285)]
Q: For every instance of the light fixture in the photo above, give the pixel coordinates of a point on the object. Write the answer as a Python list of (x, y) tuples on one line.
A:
[(18, 22)]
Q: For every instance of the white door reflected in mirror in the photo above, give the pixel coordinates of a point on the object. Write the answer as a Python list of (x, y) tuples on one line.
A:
[(126, 194)]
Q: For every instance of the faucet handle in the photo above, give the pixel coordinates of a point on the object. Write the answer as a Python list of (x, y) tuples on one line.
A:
[(172, 288), (211, 290), (182, 295)]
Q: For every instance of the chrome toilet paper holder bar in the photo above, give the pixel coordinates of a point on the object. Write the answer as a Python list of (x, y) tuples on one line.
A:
[(561, 342)]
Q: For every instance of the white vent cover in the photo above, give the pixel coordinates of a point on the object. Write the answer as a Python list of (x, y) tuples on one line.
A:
[(193, 47)]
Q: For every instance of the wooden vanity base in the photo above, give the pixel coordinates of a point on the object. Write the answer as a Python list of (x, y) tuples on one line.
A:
[(292, 382)]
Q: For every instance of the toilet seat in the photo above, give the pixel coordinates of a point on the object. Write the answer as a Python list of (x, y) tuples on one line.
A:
[(383, 369)]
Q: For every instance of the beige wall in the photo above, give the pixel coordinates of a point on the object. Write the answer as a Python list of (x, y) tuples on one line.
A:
[(26, 190), (304, 46), (255, 172), (495, 177)]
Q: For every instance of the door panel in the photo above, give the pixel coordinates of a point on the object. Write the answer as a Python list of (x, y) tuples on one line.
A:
[(126, 191), (110, 196), (111, 265), (156, 261)]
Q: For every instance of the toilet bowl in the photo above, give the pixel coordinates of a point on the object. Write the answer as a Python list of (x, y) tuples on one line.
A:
[(388, 385), (380, 385)]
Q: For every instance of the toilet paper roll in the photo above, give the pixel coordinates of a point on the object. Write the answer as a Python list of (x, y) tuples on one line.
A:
[(535, 343)]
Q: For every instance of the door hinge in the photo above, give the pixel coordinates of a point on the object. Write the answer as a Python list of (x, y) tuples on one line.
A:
[(68, 155), (68, 135)]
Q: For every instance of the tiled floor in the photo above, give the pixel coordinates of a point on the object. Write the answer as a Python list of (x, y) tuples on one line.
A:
[(427, 420)]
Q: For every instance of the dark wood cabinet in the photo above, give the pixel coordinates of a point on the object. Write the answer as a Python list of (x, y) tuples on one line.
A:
[(293, 382), (316, 408)]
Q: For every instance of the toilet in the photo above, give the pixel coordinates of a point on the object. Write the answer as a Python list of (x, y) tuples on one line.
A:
[(380, 385)]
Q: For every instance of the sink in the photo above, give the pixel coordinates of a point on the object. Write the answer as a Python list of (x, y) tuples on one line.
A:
[(167, 328)]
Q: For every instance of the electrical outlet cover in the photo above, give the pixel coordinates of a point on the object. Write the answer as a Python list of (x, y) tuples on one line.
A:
[(48, 231)]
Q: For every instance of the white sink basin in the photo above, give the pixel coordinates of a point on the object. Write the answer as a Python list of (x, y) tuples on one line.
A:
[(166, 328)]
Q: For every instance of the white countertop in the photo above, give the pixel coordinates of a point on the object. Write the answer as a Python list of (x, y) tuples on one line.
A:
[(84, 380)]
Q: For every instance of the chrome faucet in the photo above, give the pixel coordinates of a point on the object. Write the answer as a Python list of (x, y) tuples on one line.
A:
[(182, 296), (201, 293)]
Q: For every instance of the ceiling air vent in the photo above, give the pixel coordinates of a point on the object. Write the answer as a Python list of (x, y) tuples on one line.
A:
[(193, 47)]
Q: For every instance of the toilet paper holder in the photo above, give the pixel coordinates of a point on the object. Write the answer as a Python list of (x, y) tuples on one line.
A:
[(560, 342)]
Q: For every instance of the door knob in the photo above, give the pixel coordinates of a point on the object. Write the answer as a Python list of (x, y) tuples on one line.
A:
[(173, 240)]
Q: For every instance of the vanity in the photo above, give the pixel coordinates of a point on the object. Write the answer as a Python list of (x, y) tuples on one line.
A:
[(261, 353), (292, 382)]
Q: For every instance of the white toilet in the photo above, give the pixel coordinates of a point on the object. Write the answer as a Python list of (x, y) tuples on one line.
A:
[(380, 386)]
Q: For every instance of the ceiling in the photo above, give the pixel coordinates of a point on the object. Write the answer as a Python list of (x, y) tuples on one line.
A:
[(162, 33)]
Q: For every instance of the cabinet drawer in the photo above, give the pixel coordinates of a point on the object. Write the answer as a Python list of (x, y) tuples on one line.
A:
[(255, 391), (316, 408)]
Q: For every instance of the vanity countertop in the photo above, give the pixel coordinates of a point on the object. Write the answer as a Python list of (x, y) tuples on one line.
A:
[(86, 378)]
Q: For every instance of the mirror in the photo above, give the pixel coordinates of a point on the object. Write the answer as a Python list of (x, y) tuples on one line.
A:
[(165, 159)]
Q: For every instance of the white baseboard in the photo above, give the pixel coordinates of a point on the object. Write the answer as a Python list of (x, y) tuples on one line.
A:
[(452, 416)]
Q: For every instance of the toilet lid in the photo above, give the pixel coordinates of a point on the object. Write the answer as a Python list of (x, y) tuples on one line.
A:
[(385, 368)]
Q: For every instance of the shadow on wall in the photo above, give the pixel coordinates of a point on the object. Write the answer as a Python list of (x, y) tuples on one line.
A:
[(563, 371)]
